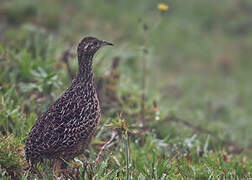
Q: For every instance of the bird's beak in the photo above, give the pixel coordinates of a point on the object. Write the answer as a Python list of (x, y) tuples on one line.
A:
[(105, 43)]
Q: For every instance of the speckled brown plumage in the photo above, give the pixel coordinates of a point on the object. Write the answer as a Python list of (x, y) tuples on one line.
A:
[(66, 128)]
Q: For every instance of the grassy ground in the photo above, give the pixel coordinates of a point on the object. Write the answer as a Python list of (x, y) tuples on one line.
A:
[(194, 60)]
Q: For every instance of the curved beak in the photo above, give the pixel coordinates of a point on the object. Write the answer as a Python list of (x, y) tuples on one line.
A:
[(105, 43)]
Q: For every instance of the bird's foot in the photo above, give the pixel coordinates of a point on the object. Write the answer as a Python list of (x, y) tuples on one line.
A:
[(74, 172), (68, 173), (89, 168)]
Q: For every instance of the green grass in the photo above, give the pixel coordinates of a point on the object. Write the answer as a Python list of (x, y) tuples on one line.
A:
[(197, 91)]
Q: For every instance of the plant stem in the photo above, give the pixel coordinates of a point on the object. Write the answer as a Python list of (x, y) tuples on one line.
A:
[(126, 140), (143, 94)]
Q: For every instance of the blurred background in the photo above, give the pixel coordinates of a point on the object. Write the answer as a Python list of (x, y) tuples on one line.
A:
[(180, 68)]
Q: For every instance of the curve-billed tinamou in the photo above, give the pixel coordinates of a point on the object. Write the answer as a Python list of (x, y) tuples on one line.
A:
[(66, 128)]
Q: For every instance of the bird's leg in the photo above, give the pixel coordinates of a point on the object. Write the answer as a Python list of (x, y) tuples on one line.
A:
[(85, 166), (77, 174), (57, 167), (91, 172)]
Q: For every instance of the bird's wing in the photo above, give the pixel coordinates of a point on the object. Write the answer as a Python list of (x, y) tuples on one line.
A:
[(57, 127), (72, 118)]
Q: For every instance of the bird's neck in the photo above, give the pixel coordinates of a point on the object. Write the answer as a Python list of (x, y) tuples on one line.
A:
[(85, 71)]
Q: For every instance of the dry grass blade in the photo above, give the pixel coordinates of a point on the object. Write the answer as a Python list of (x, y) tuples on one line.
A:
[(104, 146)]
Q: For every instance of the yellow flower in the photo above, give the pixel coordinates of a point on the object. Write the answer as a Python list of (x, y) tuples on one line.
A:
[(162, 7)]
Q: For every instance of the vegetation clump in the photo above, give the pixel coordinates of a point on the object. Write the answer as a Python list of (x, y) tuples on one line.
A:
[(12, 159)]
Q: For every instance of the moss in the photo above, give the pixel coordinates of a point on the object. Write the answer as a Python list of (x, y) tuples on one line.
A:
[(11, 156)]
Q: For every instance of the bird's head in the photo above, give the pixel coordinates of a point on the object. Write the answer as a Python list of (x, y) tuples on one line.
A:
[(89, 45)]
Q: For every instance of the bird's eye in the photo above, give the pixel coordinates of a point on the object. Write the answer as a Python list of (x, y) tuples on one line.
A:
[(95, 43)]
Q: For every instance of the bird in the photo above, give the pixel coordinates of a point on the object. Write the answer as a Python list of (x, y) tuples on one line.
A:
[(65, 129)]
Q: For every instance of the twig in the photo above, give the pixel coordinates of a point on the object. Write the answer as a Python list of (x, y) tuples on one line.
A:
[(116, 161), (104, 146), (143, 94)]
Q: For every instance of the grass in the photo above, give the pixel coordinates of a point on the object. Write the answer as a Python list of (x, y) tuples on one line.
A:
[(197, 107)]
